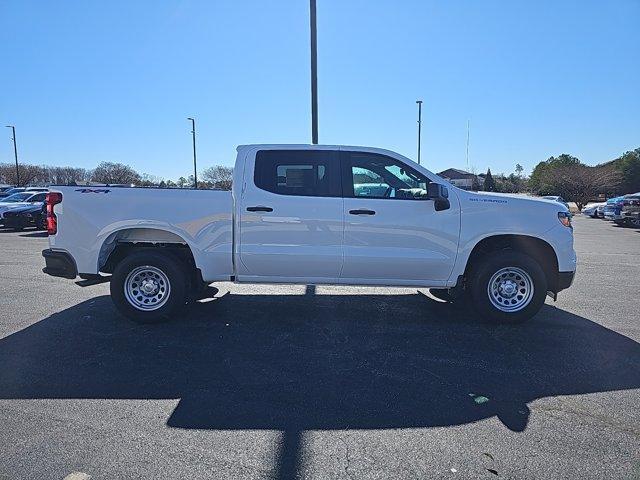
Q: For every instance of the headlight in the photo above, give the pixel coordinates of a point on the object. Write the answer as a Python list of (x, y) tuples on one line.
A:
[(565, 219)]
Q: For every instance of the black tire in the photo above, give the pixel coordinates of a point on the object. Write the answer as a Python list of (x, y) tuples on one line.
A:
[(174, 274), (632, 223), (481, 274)]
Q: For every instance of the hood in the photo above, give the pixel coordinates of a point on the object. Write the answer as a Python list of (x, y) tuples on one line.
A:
[(515, 198)]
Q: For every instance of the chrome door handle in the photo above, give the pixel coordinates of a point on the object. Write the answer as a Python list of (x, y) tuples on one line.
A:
[(259, 208), (362, 212)]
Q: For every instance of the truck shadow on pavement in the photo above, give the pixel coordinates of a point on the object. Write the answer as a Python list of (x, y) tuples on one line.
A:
[(314, 362)]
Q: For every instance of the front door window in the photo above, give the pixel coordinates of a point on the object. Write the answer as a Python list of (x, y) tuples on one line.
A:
[(377, 176)]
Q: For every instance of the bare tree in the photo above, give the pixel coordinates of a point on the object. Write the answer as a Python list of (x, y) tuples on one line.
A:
[(580, 183), (148, 180), (29, 174), (66, 175), (220, 176), (108, 172)]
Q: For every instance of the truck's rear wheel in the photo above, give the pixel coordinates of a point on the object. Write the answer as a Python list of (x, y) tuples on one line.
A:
[(507, 287), (148, 287)]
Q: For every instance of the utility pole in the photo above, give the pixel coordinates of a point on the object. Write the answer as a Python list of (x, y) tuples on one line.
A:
[(419, 102), (195, 170), (15, 153), (314, 72)]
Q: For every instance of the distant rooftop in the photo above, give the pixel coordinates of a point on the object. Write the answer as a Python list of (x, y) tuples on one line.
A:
[(455, 173)]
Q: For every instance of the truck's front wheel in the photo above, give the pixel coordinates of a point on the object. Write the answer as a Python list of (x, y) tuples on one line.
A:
[(507, 287), (148, 287)]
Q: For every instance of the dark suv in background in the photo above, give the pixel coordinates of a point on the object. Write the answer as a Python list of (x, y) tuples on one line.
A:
[(631, 210)]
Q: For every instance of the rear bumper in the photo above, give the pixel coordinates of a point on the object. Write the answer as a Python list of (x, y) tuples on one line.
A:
[(59, 264), (565, 279)]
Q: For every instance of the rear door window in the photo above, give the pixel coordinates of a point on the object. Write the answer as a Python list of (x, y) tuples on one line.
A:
[(309, 173)]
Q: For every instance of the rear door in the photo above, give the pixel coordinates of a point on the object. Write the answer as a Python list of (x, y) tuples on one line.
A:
[(291, 221), (393, 233)]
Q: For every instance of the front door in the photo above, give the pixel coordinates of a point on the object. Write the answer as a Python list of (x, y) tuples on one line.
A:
[(291, 217), (392, 232)]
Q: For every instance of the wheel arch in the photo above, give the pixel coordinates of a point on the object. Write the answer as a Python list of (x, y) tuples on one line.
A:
[(120, 243), (537, 248)]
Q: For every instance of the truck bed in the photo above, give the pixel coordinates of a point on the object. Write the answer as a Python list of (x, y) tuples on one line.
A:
[(93, 220)]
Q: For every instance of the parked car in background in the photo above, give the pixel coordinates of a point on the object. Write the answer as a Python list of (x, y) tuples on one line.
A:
[(13, 190), (558, 199), (20, 200), (30, 215), (613, 210), (631, 210), (591, 209)]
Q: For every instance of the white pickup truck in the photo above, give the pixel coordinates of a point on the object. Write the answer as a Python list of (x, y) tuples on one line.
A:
[(310, 214)]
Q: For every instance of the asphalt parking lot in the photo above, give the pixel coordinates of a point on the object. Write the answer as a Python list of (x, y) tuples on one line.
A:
[(286, 381)]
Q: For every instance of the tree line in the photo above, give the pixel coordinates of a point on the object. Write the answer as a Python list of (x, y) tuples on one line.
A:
[(566, 176), (218, 176)]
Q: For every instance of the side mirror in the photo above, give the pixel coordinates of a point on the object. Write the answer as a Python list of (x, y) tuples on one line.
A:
[(437, 191), (439, 194)]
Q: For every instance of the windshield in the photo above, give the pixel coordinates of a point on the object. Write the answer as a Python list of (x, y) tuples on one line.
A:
[(16, 197)]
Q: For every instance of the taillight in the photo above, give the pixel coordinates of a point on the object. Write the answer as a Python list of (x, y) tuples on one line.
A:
[(565, 219), (53, 198)]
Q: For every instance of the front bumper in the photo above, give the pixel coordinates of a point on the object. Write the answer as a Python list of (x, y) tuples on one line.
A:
[(59, 264)]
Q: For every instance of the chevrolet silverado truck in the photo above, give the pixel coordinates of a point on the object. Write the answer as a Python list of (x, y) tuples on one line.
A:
[(310, 214)]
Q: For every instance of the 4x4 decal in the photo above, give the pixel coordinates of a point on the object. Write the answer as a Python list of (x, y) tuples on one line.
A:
[(93, 190)]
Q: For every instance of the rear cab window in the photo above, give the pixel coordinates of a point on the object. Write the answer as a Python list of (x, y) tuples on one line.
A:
[(309, 173)]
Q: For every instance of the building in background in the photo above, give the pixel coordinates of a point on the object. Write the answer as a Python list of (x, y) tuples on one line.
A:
[(462, 179)]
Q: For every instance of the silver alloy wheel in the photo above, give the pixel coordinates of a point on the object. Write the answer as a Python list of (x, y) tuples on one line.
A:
[(147, 288), (510, 289)]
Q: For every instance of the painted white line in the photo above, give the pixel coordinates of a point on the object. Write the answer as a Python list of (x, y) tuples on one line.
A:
[(77, 476)]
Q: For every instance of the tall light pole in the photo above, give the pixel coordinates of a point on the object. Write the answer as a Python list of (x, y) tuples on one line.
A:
[(195, 170), (419, 102), (314, 72), (15, 153)]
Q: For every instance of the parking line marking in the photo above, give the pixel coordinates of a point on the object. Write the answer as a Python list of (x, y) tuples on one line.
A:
[(77, 476)]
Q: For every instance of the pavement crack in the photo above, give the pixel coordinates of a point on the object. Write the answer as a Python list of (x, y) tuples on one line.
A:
[(347, 458)]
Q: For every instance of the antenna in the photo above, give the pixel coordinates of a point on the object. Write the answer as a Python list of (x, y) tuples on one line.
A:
[(467, 145)]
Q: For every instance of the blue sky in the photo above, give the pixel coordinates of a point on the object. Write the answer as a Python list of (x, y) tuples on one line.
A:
[(86, 82)]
